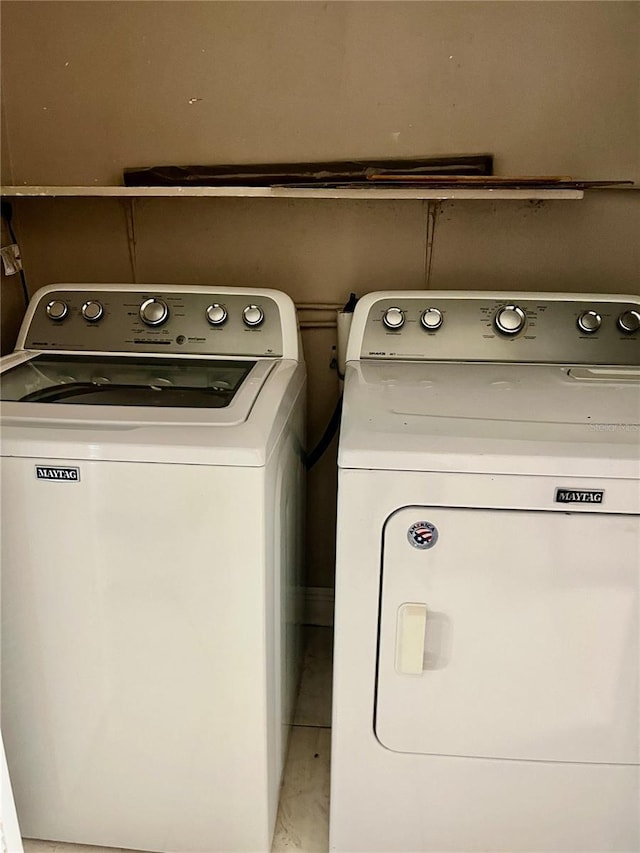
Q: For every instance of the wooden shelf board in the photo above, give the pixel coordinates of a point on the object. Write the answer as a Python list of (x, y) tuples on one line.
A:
[(315, 193)]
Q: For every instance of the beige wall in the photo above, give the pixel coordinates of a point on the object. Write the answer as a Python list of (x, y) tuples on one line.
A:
[(91, 87), (549, 88)]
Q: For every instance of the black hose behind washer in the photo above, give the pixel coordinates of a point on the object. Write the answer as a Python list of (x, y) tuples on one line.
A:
[(334, 422), (327, 437)]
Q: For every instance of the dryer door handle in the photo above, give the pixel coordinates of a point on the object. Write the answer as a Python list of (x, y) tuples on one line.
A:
[(411, 627)]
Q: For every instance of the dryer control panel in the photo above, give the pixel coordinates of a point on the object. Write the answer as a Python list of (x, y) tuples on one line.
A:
[(476, 326), (161, 319)]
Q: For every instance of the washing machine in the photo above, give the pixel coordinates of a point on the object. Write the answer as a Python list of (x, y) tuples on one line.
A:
[(152, 495), (486, 660)]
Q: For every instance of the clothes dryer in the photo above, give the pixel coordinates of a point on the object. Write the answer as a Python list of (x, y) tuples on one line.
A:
[(152, 486), (486, 658)]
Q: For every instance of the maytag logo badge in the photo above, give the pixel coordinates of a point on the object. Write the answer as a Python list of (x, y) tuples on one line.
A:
[(579, 496), (57, 473)]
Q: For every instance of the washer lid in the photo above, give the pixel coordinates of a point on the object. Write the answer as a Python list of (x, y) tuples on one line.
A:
[(243, 432), (492, 418), (112, 380)]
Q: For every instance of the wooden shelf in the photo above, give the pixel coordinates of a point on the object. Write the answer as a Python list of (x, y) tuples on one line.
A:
[(388, 193)]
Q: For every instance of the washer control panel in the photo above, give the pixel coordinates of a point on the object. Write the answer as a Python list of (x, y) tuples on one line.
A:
[(473, 326), (189, 321)]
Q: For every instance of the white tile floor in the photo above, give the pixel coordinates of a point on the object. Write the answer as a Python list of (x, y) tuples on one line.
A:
[(303, 815)]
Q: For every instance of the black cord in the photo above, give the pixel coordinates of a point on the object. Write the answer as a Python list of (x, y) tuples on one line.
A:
[(327, 438), (334, 422), (7, 215)]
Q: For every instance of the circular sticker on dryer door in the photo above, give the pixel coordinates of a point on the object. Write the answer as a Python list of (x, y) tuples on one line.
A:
[(422, 535)]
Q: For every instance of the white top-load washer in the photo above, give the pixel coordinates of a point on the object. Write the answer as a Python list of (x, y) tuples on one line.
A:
[(152, 476), (486, 658)]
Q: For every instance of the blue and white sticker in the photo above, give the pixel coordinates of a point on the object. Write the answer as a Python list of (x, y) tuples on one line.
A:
[(422, 535)]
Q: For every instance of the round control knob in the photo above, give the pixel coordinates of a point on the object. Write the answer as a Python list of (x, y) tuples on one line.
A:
[(393, 318), (253, 315), (154, 312), (431, 319), (510, 320), (57, 310), (92, 311), (629, 321), (589, 322), (216, 314)]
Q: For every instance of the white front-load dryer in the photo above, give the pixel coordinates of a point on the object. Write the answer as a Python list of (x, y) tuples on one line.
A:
[(486, 657), (152, 476)]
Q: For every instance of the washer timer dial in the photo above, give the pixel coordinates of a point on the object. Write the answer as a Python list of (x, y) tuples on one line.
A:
[(510, 320), (154, 312)]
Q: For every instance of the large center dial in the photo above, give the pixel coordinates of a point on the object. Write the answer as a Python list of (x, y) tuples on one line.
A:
[(510, 320), (154, 312)]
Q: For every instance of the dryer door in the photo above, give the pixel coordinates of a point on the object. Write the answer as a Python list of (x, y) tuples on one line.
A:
[(510, 634)]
